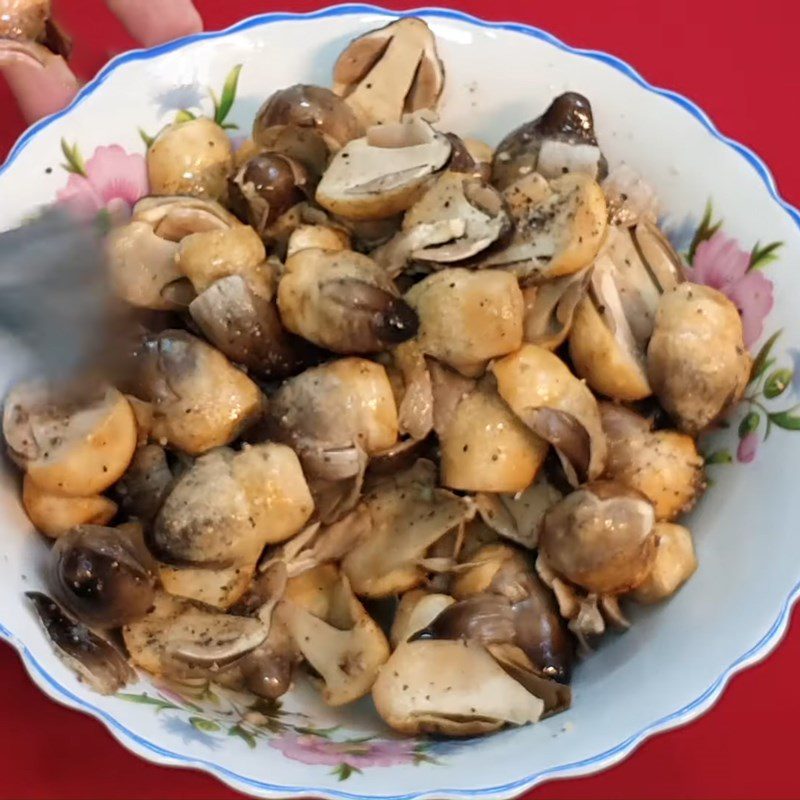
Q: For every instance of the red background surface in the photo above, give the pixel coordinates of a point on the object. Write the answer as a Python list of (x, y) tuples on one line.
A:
[(742, 67)]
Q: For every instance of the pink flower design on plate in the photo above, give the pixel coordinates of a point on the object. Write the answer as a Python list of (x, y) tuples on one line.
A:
[(112, 179), (719, 262), (317, 750), (748, 447)]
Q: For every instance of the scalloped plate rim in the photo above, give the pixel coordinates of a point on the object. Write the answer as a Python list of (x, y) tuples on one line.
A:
[(150, 750)]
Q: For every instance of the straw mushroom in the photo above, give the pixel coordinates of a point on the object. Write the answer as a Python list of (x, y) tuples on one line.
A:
[(663, 465), (560, 226), (562, 140), (200, 400), (146, 483), (674, 564), (550, 309), (557, 406), (343, 301), (385, 172), (416, 610), (72, 440), (334, 633), (601, 537), (390, 71), (467, 317), (192, 157)]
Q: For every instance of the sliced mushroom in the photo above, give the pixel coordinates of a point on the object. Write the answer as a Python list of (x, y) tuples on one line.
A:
[(193, 157), (93, 658), (602, 347), (306, 123), (674, 564), (178, 638), (518, 517), (560, 141), (334, 633), (322, 237), (266, 186), (146, 483), (663, 465), (415, 612), (468, 317), (210, 255), (343, 301), (550, 309), (55, 514), (451, 688), (246, 327), (103, 576), (214, 524), (200, 400), (415, 395), (697, 361), (557, 406), (329, 413), (407, 514), (385, 172), (472, 209), (74, 440), (630, 199), (389, 71), (486, 448), (601, 537), (173, 217), (559, 227)]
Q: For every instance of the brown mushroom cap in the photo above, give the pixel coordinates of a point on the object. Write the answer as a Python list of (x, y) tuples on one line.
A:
[(389, 71), (561, 140), (697, 362), (601, 537)]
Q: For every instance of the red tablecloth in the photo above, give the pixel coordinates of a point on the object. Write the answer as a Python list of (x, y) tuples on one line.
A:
[(740, 63)]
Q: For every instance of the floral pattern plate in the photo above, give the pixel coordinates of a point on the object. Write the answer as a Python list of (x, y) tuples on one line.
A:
[(722, 212)]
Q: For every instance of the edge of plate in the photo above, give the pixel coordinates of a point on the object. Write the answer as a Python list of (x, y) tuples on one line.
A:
[(153, 752)]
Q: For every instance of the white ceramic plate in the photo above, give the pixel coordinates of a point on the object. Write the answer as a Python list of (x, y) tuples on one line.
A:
[(674, 662)]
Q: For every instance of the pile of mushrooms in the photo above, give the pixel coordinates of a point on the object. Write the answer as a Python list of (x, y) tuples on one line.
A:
[(383, 365)]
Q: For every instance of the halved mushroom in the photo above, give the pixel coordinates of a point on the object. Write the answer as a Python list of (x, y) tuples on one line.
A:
[(451, 688), (173, 217), (266, 186), (663, 465), (467, 317), (92, 657), (416, 610), (343, 301), (192, 157), (389, 71), (200, 400), (305, 123), (407, 514), (322, 237), (413, 390), (73, 440), (331, 412), (55, 514), (601, 537), (550, 309), (221, 513), (385, 172), (245, 327), (210, 255), (146, 483), (471, 157), (674, 564), (602, 347), (642, 265), (518, 517), (559, 227), (557, 406), (472, 208), (562, 140), (104, 576), (697, 361), (486, 448), (178, 638), (336, 636)]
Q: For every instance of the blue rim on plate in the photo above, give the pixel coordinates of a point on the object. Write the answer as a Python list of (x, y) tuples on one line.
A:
[(589, 765)]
